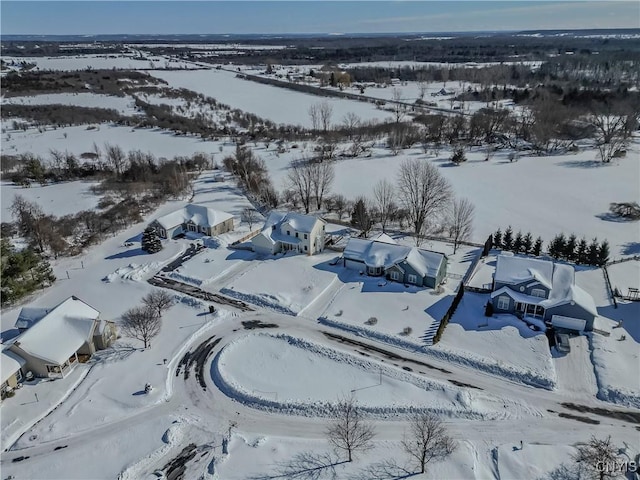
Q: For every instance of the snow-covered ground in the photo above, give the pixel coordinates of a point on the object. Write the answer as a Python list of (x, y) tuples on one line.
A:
[(287, 283), (55, 199), (124, 105), (101, 61), (624, 275), (264, 100)]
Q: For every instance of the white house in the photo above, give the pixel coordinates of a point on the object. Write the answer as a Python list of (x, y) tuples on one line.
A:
[(193, 218), (51, 345), (290, 232)]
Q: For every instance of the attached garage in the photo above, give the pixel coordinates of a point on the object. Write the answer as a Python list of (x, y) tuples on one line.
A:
[(568, 323)]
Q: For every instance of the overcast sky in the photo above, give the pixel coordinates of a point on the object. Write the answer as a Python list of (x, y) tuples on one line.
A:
[(309, 16)]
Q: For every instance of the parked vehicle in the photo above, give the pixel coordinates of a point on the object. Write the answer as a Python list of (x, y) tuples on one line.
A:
[(562, 343)]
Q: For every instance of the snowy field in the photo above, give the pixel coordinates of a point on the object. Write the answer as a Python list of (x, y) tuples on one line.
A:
[(285, 282), (56, 199), (264, 100), (624, 275), (101, 61), (124, 105)]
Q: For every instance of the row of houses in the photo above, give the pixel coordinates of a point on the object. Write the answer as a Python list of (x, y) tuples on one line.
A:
[(52, 342)]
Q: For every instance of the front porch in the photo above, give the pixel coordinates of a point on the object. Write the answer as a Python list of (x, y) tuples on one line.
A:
[(61, 371), (529, 309)]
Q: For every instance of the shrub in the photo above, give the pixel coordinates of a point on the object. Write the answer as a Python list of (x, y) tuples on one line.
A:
[(458, 156)]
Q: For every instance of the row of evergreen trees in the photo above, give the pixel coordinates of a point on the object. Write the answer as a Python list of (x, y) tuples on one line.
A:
[(561, 247)]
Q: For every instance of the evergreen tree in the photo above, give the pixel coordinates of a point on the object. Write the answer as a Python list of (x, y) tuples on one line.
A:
[(507, 239), (527, 243), (517, 243), (22, 273), (593, 252), (603, 253), (570, 248), (361, 216), (497, 239), (557, 246), (581, 252), (151, 241), (537, 247)]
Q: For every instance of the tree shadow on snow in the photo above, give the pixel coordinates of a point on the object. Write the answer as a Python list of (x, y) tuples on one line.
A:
[(631, 248), (134, 252), (305, 466), (610, 217), (385, 470)]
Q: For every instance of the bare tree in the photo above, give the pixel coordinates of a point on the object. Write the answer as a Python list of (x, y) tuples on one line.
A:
[(398, 106), (325, 111), (141, 323), (300, 178), (383, 194), (322, 177), (461, 214), (595, 455), (158, 301), (349, 432), (115, 158), (249, 215), (424, 193), (427, 440), (31, 221), (422, 84), (350, 123), (340, 205), (314, 114), (611, 131)]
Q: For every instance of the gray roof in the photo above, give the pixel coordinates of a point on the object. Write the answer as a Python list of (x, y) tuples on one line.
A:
[(198, 214)]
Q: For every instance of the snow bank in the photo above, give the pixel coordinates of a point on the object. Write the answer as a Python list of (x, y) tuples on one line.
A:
[(466, 358), (133, 271), (289, 375)]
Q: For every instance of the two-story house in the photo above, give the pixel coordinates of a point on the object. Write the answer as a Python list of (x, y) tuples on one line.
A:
[(541, 289), (290, 231)]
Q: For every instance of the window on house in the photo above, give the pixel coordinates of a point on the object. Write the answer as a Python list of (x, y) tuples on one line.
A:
[(413, 279), (296, 234), (288, 232), (503, 303), (53, 368), (395, 276), (305, 236), (538, 292), (305, 248)]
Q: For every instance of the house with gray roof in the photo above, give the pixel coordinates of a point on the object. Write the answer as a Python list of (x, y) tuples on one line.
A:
[(542, 289), (285, 232), (193, 218), (382, 256)]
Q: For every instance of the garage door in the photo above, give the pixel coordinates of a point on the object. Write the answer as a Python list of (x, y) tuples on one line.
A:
[(569, 323)]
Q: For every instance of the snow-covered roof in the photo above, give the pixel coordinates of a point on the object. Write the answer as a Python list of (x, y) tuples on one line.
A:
[(384, 238), (518, 296), (375, 254), (29, 316), (298, 222), (198, 214), (424, 262), (565, 290), (513, 270), (61, 332), (10, 363)]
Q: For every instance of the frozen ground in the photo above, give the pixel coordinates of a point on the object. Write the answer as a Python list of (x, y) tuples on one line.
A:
[(124, 105), (264, 100), (287, 283), (102, 61), (56, 199), (625, 275)]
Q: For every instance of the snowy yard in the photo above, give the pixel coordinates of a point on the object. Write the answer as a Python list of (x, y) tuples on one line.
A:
[(287, 283), (625, 275), (501, 345), (58, 199)]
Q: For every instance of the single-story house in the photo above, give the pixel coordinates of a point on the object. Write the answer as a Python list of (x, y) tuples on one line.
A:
[(193, 218), (11, 371), (283, 232), (383, 256), (50, 347), (542, 289)]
